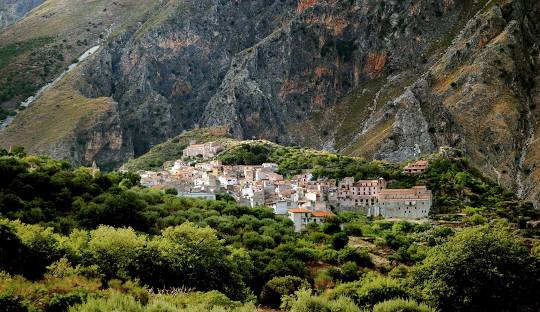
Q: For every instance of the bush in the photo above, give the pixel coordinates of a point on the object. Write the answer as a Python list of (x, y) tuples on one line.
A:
[(477, 219), (352, 229), (339, 240), (349, 272), (358, 256), (278, 287), (371, 290), (401, 305), (11, 303), (304, 301), (171, 191), (62, 302)]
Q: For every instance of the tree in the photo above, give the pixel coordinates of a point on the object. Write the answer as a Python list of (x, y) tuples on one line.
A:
[(193, 257), (171, 191), (485, 268), (113, 250), (349, 272)]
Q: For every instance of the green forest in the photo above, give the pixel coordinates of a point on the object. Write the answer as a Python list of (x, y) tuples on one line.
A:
[(76, 239)]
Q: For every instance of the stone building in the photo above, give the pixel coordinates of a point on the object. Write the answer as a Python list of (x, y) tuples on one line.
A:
[(362, 193), (414, 203), (205, 150)]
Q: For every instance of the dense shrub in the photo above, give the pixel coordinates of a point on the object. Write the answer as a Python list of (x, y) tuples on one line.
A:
[(279, 287), (339, 240), (401, 305), (10, 303), (304, 301), (371, 290), (358, 256)]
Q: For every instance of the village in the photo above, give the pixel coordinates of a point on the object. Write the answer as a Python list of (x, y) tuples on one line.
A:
[(301, 198)]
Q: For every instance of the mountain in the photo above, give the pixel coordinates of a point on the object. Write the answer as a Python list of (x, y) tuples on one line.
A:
[(12, 10), (384, 79)]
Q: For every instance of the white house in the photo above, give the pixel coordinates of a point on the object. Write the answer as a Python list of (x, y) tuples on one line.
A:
[(281, 207), (227, 180), (301, 217)]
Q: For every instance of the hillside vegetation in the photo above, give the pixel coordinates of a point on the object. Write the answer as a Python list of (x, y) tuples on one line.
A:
[(92, 241)]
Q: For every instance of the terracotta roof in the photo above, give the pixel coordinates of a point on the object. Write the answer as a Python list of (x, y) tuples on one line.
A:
[(323, 214), (299, 210)]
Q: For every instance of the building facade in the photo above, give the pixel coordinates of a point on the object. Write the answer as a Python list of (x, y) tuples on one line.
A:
[(301, 217), (416, 167), (205, 150), (414, 203)]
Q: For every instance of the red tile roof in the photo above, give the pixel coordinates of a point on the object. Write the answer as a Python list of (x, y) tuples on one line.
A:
[(299, 210), (323, 214)]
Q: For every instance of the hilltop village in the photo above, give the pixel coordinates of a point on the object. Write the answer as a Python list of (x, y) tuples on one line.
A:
[(301, 198)]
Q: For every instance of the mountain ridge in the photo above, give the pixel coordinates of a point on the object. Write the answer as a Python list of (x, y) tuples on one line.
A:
[(369, 78)]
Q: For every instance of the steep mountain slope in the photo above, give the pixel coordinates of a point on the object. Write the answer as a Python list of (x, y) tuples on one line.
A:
[(39, 47), (481, 95), (259, 67), (379, 78), (12, 10)]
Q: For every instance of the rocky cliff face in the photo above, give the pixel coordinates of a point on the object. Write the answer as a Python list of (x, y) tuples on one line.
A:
[(481, 95), (259, 67), (379, 78), (12, 10)]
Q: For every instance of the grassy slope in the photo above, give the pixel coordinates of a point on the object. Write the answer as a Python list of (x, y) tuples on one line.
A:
[(68, 28), (54, 34), (56, 115), (172, 149)]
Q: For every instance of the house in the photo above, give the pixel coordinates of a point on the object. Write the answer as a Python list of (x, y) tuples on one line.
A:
[(364, 193), (206, 150), (281, 207), (301, 217), (414, 203), (270, 166), (416, 167), (303, 177), (321, 216), (252, 195), (265, 174), (228, 180)]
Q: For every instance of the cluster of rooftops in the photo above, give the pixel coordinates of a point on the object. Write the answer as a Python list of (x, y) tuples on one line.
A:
[(301, 198)]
